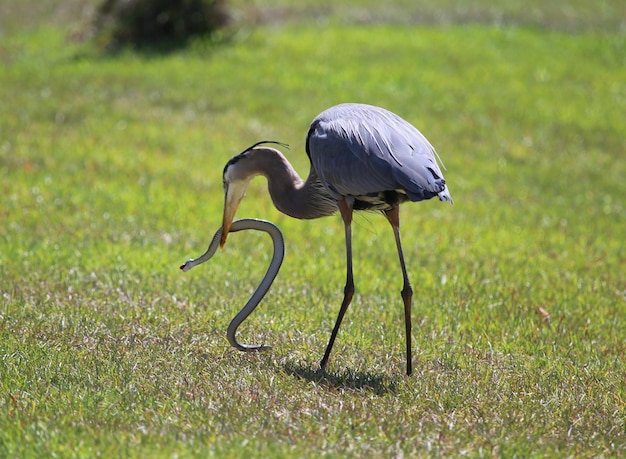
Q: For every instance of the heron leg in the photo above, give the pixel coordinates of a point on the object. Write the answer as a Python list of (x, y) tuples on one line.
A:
[(345, 208), (393, 216)]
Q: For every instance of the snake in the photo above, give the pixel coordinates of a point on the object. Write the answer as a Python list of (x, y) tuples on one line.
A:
[(271, 273)]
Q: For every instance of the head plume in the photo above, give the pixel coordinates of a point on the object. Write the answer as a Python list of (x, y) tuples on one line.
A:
[(264, 142)]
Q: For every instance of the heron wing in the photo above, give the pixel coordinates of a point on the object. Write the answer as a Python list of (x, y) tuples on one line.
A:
[(361, 150)]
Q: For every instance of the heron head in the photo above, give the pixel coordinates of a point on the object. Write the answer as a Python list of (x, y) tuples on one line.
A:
[(238, 172)]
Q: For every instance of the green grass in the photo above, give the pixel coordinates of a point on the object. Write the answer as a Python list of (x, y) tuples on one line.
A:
[(110, 177)]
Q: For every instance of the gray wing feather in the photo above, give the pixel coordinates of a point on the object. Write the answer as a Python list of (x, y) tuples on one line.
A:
[(359, 149)]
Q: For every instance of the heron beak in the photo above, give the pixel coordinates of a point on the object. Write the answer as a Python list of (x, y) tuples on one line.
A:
[(235, 191)]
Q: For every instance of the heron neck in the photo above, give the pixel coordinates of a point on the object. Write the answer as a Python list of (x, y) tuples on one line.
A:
[(298, 198)]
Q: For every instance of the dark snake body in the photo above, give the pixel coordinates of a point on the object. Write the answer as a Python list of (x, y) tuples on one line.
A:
[(261, 290)]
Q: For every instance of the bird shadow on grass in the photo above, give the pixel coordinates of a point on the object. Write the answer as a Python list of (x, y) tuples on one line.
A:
[(356, 380)]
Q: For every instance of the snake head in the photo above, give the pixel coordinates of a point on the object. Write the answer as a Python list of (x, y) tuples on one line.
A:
[(186, 266)]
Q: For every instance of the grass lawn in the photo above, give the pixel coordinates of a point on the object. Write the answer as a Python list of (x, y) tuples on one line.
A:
[(110, 178)]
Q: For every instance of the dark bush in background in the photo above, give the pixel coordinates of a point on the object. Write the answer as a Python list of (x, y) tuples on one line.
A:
[(157, 24)]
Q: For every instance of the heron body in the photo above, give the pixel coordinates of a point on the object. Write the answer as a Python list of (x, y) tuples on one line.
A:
[(362, 158), (374, 156)]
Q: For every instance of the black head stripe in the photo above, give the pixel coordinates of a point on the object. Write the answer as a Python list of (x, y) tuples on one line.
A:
[(241, 155)]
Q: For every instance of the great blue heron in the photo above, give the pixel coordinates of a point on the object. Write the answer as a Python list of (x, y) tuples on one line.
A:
[(362, 158)]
